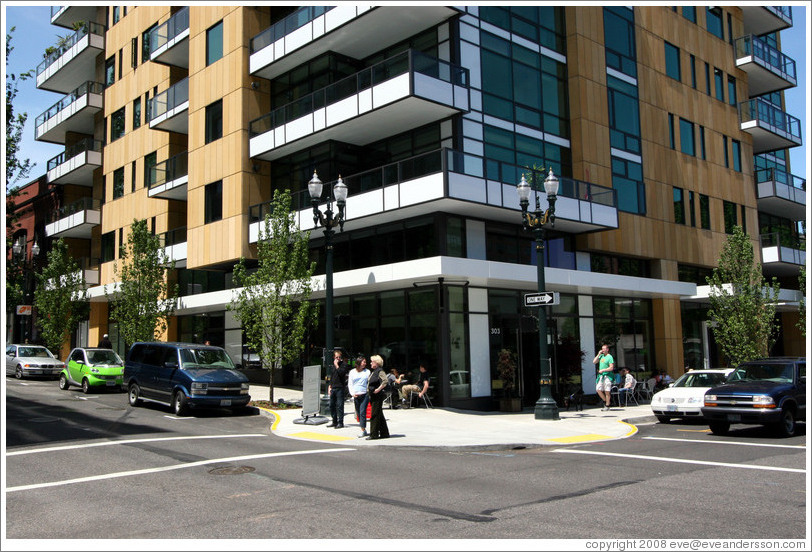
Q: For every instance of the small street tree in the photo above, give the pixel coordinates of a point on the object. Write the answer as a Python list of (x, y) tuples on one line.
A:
[(60, 297), (144, 300), (273, 305), (742, 303)]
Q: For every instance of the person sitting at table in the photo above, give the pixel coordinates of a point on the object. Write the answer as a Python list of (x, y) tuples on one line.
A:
[(396, 381), (421, 387), (626, 386)]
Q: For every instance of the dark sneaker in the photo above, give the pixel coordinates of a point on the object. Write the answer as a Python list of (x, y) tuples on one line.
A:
[(331, 424), (363, 434), (340, 426)]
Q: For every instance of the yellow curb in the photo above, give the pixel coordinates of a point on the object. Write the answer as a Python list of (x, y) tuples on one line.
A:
[(581, 438), (696, 430), (318, 436), (632, 431), (276, 416)]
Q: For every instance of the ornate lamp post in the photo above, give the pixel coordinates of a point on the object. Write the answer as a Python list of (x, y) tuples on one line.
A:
[(28, 266), (328, 220), (546, 408)]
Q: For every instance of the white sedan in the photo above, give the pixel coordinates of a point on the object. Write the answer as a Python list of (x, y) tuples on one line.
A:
[(31, 360), (685, 397)]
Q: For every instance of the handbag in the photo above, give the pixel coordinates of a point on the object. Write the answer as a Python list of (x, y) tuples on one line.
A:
[(369, 411)]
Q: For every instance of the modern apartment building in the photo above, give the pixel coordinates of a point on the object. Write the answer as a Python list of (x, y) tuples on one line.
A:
[(665, 126)]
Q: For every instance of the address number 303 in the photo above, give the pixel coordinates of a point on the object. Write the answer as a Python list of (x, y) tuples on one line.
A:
[(496, 331)]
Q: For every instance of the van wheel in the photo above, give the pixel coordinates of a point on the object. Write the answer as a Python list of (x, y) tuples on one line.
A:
[(85, 386), (63, 382), (134, 394), (179, 403), (786, 426), (719, 428)]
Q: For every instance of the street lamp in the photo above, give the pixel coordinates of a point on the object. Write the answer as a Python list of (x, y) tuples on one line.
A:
[(28, 268), (546, 408), (328, 220)]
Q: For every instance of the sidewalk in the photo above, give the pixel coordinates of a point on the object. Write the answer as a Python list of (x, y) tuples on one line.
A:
[(450, 429)]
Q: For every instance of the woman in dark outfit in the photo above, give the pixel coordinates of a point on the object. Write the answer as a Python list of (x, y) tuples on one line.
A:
[(376, 384)]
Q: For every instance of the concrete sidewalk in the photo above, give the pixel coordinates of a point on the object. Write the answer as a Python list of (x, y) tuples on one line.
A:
[(450, 429)]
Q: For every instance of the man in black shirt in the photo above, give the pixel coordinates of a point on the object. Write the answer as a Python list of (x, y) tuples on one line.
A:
[(421, 388), (338, 381)]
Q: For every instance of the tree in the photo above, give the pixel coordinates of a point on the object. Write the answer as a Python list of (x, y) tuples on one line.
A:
[(273, 305), (742, 304), (16, 169), (144, 300), (60, 297)]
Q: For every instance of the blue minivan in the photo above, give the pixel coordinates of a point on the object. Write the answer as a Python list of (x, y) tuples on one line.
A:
[(183, 376)]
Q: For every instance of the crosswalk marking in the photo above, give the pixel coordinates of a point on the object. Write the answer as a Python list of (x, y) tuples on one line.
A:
[(681, 460)]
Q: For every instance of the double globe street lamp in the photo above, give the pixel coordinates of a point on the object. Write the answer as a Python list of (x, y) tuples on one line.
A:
[(28, 268), (546, 407)]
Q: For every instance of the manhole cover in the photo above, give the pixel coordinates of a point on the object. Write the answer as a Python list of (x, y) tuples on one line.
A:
[(43, 420), (231, 470)]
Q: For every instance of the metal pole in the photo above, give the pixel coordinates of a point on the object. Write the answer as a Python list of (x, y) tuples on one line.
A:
[(546, 408), (328, 314)]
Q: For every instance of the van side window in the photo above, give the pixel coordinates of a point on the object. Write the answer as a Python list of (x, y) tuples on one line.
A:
[(153, 356), (136, 353), (187, 358), (171, 356)]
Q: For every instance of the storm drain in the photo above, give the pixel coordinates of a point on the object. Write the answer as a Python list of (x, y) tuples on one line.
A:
[(231, 470)]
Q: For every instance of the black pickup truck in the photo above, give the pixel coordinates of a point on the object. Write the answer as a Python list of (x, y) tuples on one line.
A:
[(769, 392)]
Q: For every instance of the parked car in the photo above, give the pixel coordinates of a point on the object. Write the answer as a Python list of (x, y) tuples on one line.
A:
[(769, 392), (684, 398), (92, 367), (31, 360), (183, 376)]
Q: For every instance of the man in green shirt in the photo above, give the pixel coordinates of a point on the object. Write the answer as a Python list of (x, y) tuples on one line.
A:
[(604, 381)]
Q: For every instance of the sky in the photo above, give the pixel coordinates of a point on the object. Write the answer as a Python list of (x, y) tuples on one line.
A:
[(34, 33)]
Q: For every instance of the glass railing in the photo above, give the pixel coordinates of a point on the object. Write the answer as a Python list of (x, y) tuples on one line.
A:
[(169, 99), (65, 45), (56, 9), (754, 46), (87, 144), (784, 12), (88, 263), (446, 160), (84, 204), (172, 237), (763, 111), (169, 170), (285, 26), (782, 239), (410, 61), (781, 176), (89, 87), (168, 30)]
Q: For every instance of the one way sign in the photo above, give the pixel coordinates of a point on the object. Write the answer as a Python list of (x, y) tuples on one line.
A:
[(543, 298)]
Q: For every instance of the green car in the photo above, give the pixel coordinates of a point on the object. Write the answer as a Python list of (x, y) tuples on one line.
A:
[(91, 367)]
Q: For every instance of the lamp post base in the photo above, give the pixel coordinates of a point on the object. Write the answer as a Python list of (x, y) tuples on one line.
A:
[(546, 407)]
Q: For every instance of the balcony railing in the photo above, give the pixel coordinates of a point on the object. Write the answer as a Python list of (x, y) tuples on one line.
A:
[(89, 87), (169, 170), (168, 30), (87, 144), (281, 28), (784, 12), (779, 62), (782, 239), (67, 44), (763, 111), (84, 204), (169, 99), (173, 237), (88, 263), (783, 177), (405, 62)]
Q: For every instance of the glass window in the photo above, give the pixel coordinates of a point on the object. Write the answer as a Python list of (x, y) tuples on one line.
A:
[(116, 14), (136, 113), (213, 202), (727, 153), (214, 121), (692, 208), (671, 140), (618, 31), (149, 162), (704, 211), (707, 79), (731, 90), (719, 82), (108, 246), (737, 155), (689, 13), (214, 43), (730, 216), (110, 71), (145, 44), (627, 180), (713, 17), (117, 121), (702, 142), (693, 71), (672, 64), (118, 183), (686, 137), (679, 206)]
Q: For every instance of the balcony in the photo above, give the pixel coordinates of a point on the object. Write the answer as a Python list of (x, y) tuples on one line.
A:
[(169, 179), (75, 220), (454, 182), (403, 92), (781, 255), (780, 193), (771, 128), (169, 42), (76, 112), (73, 61), (759, 20), (169, 110), (89, 267), (66, 16), (347, 29), (174, 244), (76, 164), (768, 69)]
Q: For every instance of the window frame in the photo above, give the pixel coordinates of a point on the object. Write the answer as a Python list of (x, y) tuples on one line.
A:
[(214, 121), (217, 27), (213, 202)]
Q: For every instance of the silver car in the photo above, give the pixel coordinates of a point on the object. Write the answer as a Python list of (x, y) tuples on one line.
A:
[(31, 360)]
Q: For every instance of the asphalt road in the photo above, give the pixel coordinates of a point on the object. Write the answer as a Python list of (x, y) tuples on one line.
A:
[(92, 467)]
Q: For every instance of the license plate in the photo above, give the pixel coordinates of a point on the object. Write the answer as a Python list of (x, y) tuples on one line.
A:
[(35, 371), (671, 407), (110, 383), (225, 402), (734, 417)]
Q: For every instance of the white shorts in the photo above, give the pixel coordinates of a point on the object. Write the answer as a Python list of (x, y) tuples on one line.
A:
[(604, 384)]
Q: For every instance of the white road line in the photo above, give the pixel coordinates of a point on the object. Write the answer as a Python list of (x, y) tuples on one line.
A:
[(741, 443), (682, 461), (170, 468), (130, 441)]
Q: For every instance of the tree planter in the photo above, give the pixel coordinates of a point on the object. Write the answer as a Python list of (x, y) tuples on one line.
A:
[(513, 404)]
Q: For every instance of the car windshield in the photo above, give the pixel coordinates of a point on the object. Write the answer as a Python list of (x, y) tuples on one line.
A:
[(104, 356), (205, 358), (38, 352), (778, 372), (706, 379)]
